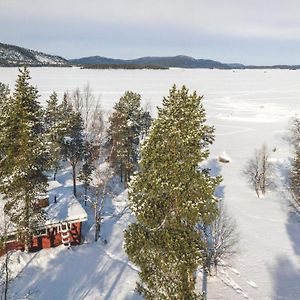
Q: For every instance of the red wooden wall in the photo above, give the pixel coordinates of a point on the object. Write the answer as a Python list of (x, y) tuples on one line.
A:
[(51, 239)]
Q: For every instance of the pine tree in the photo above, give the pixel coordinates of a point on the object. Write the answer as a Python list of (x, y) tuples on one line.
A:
[(72, 142), (4, 94), (21, 169), (127, 123), (294, 174), (294, 180), (53, 123), (65, 110), (146, 122), (169, 196), (4, 100), (85, 174)]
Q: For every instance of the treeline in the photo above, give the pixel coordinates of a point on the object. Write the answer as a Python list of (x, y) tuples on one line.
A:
[(4, 63), (36, 142), (275, 67), (123, 66)]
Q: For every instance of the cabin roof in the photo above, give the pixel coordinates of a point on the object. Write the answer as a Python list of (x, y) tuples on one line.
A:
[(67, 207)]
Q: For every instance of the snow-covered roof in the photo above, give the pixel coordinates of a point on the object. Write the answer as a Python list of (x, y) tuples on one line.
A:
[(66, 208)]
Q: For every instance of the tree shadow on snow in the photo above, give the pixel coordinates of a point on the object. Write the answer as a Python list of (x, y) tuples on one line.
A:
[(286, 279), (283, 169), (214, 167), (82, 272), (281, 182), (293, 230), (286, 275)]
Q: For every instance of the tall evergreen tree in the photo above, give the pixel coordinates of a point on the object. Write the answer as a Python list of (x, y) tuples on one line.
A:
[(85, 174), (4, 94), (294, 180), (21, 169), (65, 109), (4, 100), (294, 174), (146, 121), (53, 123), (72, 142), (169, 196), (127, 123)]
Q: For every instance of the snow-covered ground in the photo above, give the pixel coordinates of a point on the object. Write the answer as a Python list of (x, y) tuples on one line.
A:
[(248, 108)]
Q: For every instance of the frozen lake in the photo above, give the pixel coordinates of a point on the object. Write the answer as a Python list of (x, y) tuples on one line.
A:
[(280, 87), (248, 108)]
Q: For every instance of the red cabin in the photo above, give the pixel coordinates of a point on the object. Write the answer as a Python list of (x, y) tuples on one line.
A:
[(62, 225)]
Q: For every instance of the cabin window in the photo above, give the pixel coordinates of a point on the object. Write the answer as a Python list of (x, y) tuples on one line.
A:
[(41, 232), (11, 238)]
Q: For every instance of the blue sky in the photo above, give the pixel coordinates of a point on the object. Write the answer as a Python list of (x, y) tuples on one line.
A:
[(250, 32)]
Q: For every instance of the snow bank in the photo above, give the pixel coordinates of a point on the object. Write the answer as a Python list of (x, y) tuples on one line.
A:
[(224, 157)]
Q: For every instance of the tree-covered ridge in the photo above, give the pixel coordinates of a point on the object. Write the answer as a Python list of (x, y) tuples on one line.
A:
[(14, 56), (123, 66), (179, 61)]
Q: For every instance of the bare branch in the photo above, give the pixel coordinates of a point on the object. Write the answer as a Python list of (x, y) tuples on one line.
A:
[(259, 170)]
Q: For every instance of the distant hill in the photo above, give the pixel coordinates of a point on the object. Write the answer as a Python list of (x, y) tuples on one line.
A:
[(236, 66), (11, 55), (14, 56), (180, 61), (122, 66)]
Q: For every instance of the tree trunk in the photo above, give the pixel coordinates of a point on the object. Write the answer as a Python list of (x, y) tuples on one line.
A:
[(85, 195), (74, 179), (97, 226), (125, 179), (128, 175), (121, 172), (204, 283), (263, 179), (208, 260), (27, 237), (128, 168), (264, 169), (6, 283), (97, 230), (55, 173)]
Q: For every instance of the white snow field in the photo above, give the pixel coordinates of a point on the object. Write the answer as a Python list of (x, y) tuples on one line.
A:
[(248, 108)]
